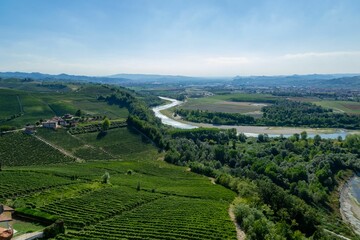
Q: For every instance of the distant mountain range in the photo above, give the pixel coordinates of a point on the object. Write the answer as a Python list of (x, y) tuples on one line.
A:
[(63, 77), (126, 79), (312, 80)]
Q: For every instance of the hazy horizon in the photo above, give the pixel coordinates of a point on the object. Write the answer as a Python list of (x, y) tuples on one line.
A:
[(187, 38)]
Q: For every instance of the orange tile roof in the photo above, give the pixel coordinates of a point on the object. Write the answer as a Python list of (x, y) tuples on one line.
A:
[(5, 218)]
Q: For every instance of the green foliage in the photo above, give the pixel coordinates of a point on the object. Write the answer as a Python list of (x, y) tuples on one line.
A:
[(215, 117), (138, 187), (78, 113), (186, 217), (54, 229), (285, 170), (115, 144), (105, 179), (18, 108), (353, 143), (96, 127), (292, 113), (19, 183), (21, 149), (105, 125), (141, 118), (280, 113)]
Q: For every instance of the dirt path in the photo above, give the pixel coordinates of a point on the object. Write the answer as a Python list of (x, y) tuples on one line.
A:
[(20, 105), (338, 235), (63, 151), (239, 233)]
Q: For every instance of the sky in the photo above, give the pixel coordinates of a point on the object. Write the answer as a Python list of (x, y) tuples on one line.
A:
[(180, 37)]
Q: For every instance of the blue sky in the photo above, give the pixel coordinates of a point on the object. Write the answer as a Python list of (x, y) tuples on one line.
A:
[(185, 37)]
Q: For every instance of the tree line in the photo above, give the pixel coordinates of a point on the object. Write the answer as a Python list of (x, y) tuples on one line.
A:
[(281, 113)]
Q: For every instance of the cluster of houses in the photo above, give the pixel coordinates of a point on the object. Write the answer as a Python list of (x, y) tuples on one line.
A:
[(67, 120)]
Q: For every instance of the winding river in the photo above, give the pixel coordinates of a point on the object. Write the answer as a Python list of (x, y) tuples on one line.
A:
[(251, 131)]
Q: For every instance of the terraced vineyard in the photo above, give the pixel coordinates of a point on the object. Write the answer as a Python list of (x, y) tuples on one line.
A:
[(18, 183), (20, 149), (165, 218), (146, 198), (98, 205)]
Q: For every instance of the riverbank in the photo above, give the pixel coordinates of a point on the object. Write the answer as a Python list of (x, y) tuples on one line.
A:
[(165, 114), (349, 205)]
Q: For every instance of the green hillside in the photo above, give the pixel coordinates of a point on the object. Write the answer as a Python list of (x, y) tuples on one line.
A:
[(18, 108), (21, 149), (142, 186)]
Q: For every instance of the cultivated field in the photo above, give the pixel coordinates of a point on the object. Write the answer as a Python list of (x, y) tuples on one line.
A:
[(33, 106), (93, 146), (341, 106), (21, 149), (231, 103)]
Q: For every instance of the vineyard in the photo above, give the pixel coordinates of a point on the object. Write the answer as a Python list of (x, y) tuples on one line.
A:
[(19, 149), (97, 206), (18, 108), (145, 199), (18, 183), (115, 144), (165, 218), (96, 127)]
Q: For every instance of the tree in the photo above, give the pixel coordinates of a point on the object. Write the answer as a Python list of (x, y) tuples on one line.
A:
[(78, 113), (138, 187), (105, 178), (317, 139), (303, 135), (105, 125), (242, 137)]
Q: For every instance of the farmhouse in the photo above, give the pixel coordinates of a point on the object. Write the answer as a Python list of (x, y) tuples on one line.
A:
[(30, 129), (50, 124), (6, 231)]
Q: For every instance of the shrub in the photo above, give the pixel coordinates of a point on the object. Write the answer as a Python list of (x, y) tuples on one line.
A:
[(54, 229)]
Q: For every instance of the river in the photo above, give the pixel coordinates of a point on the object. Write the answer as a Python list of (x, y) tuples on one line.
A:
[(168, 121), (250, 131), (349, 203)]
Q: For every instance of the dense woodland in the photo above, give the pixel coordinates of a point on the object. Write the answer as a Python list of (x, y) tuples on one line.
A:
[(281, 113), (283, 183)]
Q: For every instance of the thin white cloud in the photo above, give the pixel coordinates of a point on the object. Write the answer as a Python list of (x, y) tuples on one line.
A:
[(321, 54)]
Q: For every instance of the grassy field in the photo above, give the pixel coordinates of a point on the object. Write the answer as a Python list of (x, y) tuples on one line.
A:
[(145, 198), (26, 227), (341, 106), (250, 104), (43, 105)]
